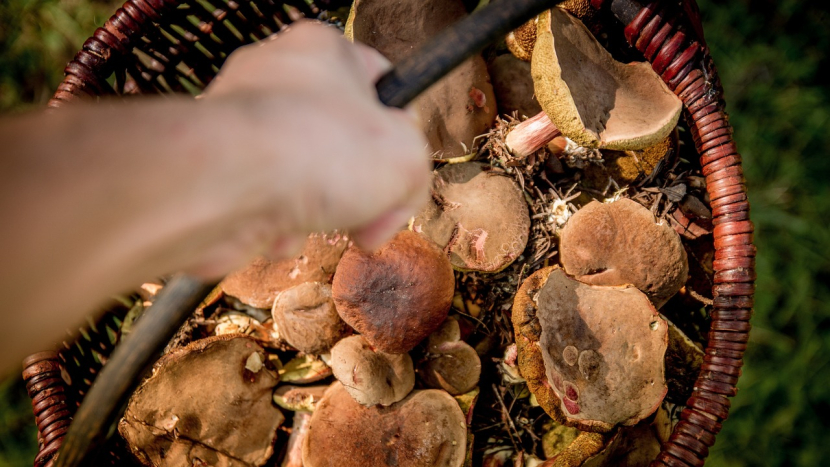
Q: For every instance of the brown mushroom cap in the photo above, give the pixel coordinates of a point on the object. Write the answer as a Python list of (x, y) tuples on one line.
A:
[(458, 107), (620, 243), (593, 99), (260, 282), (306, 318), (450, 363), (396, 296), (175, 419), (478, 215), (520, 41), (424, 430), (371, 377), (592, 355), (513, 86)]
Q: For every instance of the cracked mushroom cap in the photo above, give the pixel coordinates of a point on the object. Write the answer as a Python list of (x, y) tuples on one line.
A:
[(620, 243), (259, 283), (478, 215), (461, 105), (175, 419), (306, 318), (425, 429), (371, 377), (396, 296), (592, 355), (593, 99), (450, 363)]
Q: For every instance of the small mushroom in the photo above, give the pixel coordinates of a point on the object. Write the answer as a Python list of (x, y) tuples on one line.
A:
[(175, 419), (259, 283), (425, 429), (478, 215), (592, 355), (593, 99), (460, 106), (306, 318), (396, 296), (620, 243), (450, 363), (371, 377)]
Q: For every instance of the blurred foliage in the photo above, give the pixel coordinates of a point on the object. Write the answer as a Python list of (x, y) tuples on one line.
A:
[(771, 55)]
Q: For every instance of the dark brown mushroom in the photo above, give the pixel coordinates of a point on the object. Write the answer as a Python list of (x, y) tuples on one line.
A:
[(371, 377), (478, 215), (621, 243), (396, 296), (427, 429), (450, 363), (592, 355), (175, 419), (306, 318), (259, 283)]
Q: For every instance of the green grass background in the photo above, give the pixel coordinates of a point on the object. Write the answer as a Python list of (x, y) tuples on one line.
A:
[(770, 55)]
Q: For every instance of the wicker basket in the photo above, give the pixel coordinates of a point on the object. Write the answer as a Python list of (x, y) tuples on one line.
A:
[(163, 46)]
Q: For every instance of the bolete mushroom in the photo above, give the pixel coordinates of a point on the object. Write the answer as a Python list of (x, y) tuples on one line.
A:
[(478, 215), (620, 243), (175, 419), (371, 377), (460, 106), (426, 429), (396, 296), (592, 355), (306, 318), (258, 283), (450, 363), (593, 99), (513, 85)]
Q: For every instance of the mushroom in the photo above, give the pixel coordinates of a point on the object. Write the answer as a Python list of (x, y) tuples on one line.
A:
[(593, 99), (298, 398), (259, 283), (625, 167), (513, 85), (294, 448), (568, 447), (592, 355), (478, 215), (306, 318), (175, 419), (425, 429), (460, 106), (304, 369), (371, 377), (450, 363), (620, 243), (396, 296)]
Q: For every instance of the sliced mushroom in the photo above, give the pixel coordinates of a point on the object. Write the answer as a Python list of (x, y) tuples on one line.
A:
[(396, 296), (458, 107), (175, 419), (371, 377), (593, 99), (259, 283), (621, 243), (478, 215), (424, 430), (306, 318), (450, 363), (592, 355)]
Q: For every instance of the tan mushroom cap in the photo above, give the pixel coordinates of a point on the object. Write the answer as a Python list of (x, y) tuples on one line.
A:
[(424, 430), (520, 41), (450, 363), (460, 106), (259, 283), (175, 419), (592, 355), (620, 243), (306, 318), (371, 377), (593, 99), (478, 215), (396, 296)]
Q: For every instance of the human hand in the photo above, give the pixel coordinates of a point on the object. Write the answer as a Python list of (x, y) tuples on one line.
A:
[(313, 148)]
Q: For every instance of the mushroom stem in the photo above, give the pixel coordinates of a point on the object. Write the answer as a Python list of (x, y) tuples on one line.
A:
[(294, 452), (531, 135)]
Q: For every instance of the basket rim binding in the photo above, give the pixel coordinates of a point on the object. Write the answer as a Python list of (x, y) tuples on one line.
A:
[(195, 51)]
